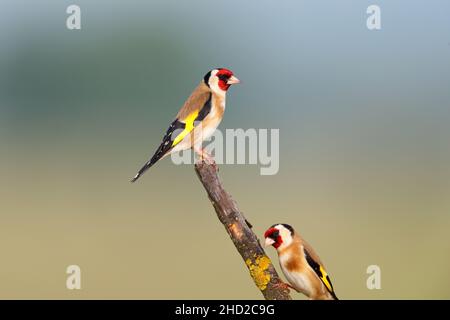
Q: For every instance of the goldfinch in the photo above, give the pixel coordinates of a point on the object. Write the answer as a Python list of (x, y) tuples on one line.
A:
[(197, 119), (300, 263)]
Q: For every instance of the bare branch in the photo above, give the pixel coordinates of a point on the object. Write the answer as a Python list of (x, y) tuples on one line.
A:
[(246, 242)]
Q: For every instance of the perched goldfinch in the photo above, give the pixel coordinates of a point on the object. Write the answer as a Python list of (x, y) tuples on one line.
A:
[(197, 119), (300, 263)]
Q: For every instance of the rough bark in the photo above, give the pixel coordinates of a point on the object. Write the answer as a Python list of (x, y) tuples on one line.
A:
[(246, 242)]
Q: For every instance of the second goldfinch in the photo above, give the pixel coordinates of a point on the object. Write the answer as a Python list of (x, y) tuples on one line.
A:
[(197, 119), (300, 263)]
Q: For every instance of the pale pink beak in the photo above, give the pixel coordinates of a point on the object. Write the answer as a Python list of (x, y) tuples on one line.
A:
[(233, 80), (269, 242)]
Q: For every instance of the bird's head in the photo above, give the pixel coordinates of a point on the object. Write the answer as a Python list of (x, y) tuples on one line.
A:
[(220, 79), (279, 235)]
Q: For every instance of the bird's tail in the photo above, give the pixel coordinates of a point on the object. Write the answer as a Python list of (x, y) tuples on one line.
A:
[(334, 295), (145, 167), (141, 171), (163, 150)]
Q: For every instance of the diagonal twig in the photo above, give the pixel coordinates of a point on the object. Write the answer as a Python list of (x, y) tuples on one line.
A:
[(246, 242)]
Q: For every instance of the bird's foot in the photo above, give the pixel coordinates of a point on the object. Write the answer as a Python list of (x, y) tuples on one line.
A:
[(209, 160), (283, 285), (206, 158)]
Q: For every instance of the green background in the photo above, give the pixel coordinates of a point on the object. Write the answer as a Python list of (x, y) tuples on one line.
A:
[(364, 152)]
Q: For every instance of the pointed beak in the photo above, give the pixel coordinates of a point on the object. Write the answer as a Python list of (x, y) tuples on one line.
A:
[(269, 242), (233, 80)]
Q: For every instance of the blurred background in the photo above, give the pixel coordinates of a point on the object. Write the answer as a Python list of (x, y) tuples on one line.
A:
[(364, 153)]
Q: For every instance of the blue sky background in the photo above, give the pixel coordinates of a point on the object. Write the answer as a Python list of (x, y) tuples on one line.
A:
[(364, 151)]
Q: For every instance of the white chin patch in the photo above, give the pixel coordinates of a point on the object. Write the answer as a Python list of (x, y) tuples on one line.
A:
[(269, 242)]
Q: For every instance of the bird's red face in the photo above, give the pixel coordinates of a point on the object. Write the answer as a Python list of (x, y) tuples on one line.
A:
[(273, 237), (219, 80), (280, 234), (226, 78)]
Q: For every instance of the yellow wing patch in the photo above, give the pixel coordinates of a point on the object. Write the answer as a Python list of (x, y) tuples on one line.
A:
[(325, 278), (189, 121)]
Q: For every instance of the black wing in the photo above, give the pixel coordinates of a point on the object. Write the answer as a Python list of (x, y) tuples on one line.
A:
[(175, 129), (165, 146), (321, 273), (206, 109)]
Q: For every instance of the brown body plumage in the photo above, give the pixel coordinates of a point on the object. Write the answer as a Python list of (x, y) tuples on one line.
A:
[(300, 263), (197, 119)]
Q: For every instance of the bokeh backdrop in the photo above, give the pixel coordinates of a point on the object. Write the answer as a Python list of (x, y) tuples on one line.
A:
[(364, 152)]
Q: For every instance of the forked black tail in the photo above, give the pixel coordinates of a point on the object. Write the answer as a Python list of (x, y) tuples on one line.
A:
[(165, 146), (146, 166)]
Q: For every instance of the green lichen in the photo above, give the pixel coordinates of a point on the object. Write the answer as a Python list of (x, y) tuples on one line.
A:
[(258, 271)]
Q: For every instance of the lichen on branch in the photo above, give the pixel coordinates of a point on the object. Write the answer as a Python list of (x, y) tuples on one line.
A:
[(244, 239)]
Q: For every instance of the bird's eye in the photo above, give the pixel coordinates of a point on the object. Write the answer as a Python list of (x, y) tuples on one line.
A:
[(223, 77), (275, 234)]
